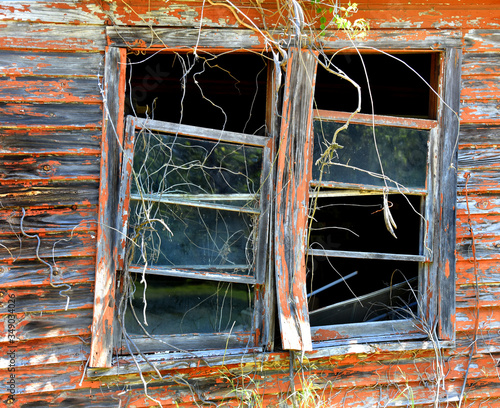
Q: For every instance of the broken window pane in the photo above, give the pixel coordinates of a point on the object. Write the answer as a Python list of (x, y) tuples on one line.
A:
[(359, 288), (182, 306), (366, 290), (356, 223), (400, 152)]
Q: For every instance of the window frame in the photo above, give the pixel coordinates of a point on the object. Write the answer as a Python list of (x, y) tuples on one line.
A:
[(106, 337), (437, 282), (441, 274), (336, 334), (250, 340)]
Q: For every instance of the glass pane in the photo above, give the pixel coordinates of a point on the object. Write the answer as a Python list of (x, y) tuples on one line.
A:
[(195, 236), (181, 306), (402, 154), (194, 173), (170, 164)]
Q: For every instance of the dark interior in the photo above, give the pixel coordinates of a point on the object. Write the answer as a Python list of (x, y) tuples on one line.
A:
[(357, 224), (396, 90), (220, 92)]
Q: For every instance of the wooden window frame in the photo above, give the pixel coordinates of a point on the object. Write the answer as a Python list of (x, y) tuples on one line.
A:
[(251, 340), (106, 336), (296, 118), (437, 276)]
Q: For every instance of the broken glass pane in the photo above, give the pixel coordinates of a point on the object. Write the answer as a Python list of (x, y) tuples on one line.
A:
[(369, 290), (182, 306), (399, 154), (356, 223)]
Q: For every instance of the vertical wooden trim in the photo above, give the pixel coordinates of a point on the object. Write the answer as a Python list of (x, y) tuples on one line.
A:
[(104, 300), (446, 234), (292, 201)]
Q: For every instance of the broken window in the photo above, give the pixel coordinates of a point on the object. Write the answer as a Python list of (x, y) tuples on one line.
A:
[(369, 222), (356, 222), (196, 227), (370, 249)]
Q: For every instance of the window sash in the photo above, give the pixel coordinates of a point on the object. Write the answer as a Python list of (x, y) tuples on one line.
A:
[(199, 201), (295, 322)]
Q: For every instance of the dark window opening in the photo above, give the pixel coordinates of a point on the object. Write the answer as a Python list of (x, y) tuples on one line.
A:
[(220, 92), (363, 289), (395, 88)]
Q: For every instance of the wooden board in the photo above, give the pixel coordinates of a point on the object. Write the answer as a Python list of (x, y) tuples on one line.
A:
[(50, 114), (36, 274), (16, 35), (47, 140), (48, 192), (30, 326), (49, 64)]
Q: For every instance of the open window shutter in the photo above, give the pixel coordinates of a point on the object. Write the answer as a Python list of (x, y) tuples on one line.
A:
[(292, 196)]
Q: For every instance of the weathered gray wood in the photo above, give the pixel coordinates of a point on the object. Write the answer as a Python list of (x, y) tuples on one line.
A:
[(480, 111), (482, 40), (81, 115), (182, 343), (34, 273), (200, 272), (49, 193), (82, 397), (444, 215), (37, 89), (58, 37), (38, 325), (186, 37), (203, 133), (480, 88), (292, 198), (483, 204), (489, 296), (48, 298), (483, 225), (479, 134), (479, 158), (365, 255), (486, 248), (488, 271), (42, 167), (483, 63), (54, 11), (49, 64), (50, 351), (32, 379), (480, 181), (47, 220), (27, 141), (195, 202), (397, 40), (107, 243), (51, 245)]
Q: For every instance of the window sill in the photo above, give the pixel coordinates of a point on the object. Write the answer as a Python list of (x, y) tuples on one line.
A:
[(254, 357)]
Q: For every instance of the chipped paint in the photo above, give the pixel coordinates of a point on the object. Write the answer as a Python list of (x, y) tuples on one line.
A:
[(52, 55)]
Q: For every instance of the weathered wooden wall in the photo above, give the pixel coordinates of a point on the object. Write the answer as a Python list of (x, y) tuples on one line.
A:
[(51, 112)]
